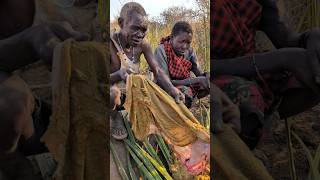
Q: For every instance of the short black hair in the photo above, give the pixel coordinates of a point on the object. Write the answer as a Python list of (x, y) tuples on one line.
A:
[(131, 7), (181, 26)]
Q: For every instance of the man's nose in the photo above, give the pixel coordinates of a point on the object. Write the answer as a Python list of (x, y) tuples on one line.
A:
[(184, 46)]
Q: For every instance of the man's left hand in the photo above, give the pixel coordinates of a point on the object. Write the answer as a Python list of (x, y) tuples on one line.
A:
[(312, 43)]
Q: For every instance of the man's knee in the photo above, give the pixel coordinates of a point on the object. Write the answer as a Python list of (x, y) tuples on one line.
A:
[(14, 102), (8, 114), (15, 116)]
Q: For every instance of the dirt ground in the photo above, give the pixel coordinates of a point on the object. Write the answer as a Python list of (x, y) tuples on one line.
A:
[(273, 150)]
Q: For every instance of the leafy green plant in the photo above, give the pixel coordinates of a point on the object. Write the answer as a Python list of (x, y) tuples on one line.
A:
[(313, 161), (290, 149)]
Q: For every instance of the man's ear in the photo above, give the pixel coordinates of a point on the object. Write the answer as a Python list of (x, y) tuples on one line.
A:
[(120, 22)]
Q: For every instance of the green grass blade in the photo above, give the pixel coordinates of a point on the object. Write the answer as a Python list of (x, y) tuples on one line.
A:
[(317, 156), (164, 149), (316, 160), (128, 127), (146, 161), (131, 171), (152, 152), (290, 149), (207, 119), (159, 167), (140, 165), (119, 164), (201, 120)]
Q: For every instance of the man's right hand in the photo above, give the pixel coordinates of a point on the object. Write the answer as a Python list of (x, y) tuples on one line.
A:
[(224, 111), (177, 95), (300, 62), (44, 37), (312, 43), (124, 73)]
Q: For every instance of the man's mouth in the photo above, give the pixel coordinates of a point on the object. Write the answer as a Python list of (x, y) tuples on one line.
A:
[(136, 41), (180, 52)]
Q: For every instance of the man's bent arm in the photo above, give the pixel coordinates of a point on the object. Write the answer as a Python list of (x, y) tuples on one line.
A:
[(15, 52)]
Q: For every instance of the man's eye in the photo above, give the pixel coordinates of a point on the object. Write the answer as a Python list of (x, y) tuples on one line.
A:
[(144, 30), (135, 28)]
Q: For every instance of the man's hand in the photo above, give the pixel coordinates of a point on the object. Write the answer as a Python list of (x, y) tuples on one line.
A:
[(204, 82), (299, 61), (312, 43), (224, 111), (124, 73), (177, 95), (44, 37)]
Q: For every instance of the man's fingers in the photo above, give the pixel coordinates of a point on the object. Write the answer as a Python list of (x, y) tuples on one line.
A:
[(183, 98), (315, 64), (129, 71), (302, 71), (180, 98), (235, 127), (53, 42), (63, 30), (310, 82), (177, 99), (45, 49), (216, 118)]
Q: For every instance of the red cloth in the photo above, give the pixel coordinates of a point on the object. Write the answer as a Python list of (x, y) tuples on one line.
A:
[(233, 26), (179, 67), (242, 91)]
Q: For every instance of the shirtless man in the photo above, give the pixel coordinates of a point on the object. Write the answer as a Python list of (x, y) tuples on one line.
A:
[(130, 39)]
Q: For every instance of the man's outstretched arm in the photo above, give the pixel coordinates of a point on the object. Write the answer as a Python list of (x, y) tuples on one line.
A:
[(34, 43)]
